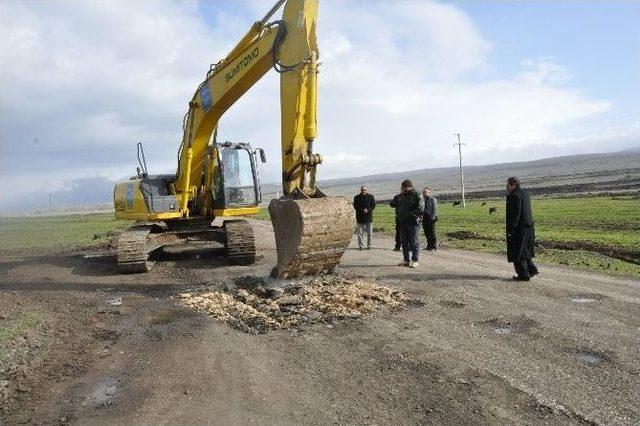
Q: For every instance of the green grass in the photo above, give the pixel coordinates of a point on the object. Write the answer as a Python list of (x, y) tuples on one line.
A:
[(57, 232), (601, 222)]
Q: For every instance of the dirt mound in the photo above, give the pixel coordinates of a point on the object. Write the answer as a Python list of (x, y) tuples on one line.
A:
[(256, 309)]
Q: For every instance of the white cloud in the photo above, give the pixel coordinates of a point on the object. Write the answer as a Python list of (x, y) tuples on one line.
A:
[(82, 82)]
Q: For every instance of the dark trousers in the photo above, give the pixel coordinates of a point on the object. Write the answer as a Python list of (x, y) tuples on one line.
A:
[(410, 241), (525, 268), (429, 228), (398, 233)]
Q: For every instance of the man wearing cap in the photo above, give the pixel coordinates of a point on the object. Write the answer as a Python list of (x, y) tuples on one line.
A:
[(364, 203), (520, 231), (408, 211)]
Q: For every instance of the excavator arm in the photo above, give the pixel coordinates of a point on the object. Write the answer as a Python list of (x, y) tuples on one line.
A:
[(312, 231), (289, 46)]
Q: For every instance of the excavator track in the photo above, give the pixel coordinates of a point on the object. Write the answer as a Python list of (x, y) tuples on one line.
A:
[(240, 243), (311, 234), (133, 255)]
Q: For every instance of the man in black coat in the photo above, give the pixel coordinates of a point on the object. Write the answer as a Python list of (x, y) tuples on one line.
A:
[(520, 231), (364, 203), (394, 203)]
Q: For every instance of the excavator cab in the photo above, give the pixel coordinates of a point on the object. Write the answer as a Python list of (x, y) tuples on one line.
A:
[(237, 184)]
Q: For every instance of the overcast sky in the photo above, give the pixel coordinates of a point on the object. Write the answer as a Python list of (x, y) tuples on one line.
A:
[(83, 81)]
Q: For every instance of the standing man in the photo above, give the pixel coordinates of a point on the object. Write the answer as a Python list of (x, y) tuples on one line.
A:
[(429, 209), (409, 215), (394, 203), (520, 231), (364, 203)]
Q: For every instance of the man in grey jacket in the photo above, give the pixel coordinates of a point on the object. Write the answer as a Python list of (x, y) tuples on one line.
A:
[(429, 210)]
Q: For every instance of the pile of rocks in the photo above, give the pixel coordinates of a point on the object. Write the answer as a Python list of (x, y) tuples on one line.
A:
[(256, 307)]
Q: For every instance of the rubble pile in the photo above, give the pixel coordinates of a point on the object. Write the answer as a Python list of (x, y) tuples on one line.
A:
[(256, 308)]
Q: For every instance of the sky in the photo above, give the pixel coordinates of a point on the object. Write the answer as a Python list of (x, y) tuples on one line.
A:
[(81, 82)]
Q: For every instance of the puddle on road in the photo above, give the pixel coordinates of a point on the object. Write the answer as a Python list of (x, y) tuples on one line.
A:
[(414, 303), (102, 394), (506, 326), (116, 301), (582, 300), (589, 356), (586, 298), (451, 304)]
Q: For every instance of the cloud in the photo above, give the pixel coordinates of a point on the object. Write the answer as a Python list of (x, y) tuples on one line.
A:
[(82, 82)]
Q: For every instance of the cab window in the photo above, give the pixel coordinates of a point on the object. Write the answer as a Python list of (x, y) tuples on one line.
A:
[(239, 188)]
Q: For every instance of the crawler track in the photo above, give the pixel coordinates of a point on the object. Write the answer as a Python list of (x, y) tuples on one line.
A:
[(133, 255), (240, 242)]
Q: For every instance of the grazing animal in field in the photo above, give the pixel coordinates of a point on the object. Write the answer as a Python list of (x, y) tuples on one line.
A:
[(456, 203), (492, 210), (484, 203)]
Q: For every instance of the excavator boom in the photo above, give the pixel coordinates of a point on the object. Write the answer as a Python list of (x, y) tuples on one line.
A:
[(312, 231)]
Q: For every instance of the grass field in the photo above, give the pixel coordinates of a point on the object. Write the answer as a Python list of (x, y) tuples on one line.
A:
[(590, 232), (595, 233), (50, 233)]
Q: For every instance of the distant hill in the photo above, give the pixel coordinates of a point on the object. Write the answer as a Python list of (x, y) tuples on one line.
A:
[(599, 173), (615, 173)]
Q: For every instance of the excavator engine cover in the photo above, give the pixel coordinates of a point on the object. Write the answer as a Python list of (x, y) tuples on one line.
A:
[(311, 234)]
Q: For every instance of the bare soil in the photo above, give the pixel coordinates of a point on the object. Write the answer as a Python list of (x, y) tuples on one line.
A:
[(467, 345)]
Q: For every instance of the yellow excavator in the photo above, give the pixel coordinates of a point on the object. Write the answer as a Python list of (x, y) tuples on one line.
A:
[(220, 180)]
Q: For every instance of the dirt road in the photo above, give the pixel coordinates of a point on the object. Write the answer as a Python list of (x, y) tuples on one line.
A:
[(478, 349)]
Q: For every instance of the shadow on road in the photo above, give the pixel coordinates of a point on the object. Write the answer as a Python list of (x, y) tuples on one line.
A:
[(106, 265), (440, 277), (156, 290)]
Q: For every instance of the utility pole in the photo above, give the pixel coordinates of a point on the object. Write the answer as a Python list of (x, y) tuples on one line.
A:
[(461, 172)]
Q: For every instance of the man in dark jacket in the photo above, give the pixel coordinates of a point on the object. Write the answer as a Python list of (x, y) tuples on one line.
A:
[(520, 231), (394, 203), (408, 212), (429, 209), (364, 203)]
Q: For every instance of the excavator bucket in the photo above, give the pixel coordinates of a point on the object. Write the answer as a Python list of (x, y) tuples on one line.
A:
[(311, 234)]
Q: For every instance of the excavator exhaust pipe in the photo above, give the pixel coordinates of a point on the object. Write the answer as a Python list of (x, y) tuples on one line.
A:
[(311, 234)]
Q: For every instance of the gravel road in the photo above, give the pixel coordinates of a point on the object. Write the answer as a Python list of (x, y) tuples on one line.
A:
[(472, 347)]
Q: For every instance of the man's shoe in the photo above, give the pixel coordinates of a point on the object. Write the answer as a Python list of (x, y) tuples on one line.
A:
[(536, 272), (368, 247), (413, 264), (426, 248), (360, 248), (431, 248), (517, 278), (403, 264), (396, 249)]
